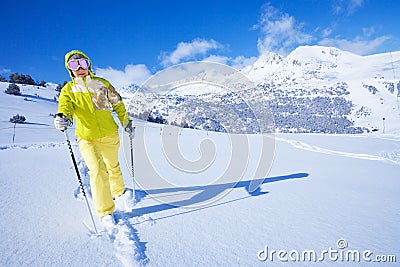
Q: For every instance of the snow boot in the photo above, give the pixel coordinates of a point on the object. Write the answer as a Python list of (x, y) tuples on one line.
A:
[(125, 202), (109, 224)]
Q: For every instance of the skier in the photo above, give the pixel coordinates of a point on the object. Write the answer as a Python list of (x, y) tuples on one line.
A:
[(89, 99)]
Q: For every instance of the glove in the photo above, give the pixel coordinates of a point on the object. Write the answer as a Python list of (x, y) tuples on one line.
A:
[(130, 129), (61, 122)]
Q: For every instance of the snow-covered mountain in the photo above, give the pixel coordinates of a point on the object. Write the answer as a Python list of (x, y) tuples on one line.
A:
[(311, 76), (313, 89)]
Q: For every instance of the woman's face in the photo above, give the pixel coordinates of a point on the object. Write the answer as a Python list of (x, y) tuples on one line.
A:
[(80, 73)]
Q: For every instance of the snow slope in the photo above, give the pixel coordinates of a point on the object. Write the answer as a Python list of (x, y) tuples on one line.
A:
[(37, 105), (321, 189)]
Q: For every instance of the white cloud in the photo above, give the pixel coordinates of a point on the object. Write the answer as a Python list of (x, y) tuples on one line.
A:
[(368, 31), (189, 50), (326, 32), (357, 46), (120, 78), (347, 7), (353, 5), (363, 44), (279, 32), (238, 62), (217, 59), (4, 71)]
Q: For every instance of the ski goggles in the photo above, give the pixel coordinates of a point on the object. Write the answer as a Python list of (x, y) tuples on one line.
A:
[(75, 64)]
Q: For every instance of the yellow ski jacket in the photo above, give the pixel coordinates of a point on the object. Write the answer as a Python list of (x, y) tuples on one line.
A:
[(90, 101)]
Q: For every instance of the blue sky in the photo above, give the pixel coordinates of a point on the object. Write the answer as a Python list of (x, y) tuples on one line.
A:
[(130, 40)]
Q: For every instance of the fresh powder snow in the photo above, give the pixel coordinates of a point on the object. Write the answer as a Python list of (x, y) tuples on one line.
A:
[(327, 200)]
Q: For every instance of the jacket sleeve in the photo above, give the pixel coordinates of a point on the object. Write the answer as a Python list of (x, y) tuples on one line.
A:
[(118, 105), (65, 105)]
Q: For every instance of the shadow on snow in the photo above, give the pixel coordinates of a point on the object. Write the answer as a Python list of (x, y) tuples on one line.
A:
[(33, 98), (207, 192)]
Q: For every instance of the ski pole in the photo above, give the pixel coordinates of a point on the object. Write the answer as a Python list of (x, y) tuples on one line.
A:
[(79, 179), (131, 136)]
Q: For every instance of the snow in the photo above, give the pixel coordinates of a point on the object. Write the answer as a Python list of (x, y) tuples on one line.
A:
[(320, 189), (196, 89)]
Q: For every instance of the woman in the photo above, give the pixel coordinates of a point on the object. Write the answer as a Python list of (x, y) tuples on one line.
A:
[(89, 99)]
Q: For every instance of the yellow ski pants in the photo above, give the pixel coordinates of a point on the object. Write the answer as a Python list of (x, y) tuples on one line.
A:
[(101, 158)]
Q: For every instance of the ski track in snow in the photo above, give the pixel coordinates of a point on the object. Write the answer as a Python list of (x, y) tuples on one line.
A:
[(393, 157), (32, 146), (128, 248)]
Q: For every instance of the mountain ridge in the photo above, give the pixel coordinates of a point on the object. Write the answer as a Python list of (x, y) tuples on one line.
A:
[(314, 89), (371, 81)]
